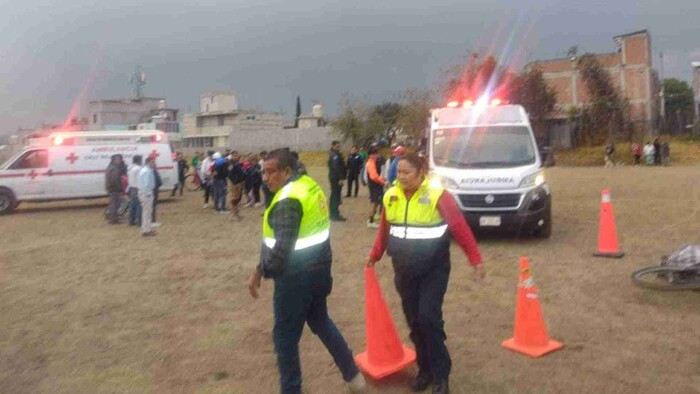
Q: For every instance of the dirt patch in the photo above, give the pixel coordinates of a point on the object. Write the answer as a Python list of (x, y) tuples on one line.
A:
[(88, 307)]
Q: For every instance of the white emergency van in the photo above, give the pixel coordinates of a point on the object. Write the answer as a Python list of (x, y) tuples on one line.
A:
[(71, 165), (485, 154)]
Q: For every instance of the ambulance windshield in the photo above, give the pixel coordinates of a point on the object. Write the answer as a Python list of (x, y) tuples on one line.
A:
[(483, 147)]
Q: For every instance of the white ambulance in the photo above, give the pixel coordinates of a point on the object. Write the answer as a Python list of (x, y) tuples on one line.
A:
[(486, 155), (71, 165)]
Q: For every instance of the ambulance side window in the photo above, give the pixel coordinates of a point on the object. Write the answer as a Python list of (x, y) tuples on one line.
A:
[(33, 159)]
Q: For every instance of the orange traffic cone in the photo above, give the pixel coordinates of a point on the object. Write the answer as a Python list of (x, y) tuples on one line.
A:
[(385, 353), (607, 232), (530, 333)]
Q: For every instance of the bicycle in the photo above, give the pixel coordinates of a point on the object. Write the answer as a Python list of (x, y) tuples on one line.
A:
[(193, 182), (123, 206), (680, 271)]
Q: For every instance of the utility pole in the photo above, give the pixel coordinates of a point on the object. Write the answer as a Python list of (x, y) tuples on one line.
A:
[(662, 100)]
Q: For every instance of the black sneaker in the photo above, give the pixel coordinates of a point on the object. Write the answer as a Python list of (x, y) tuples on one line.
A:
[(421, 382), (441, 387)]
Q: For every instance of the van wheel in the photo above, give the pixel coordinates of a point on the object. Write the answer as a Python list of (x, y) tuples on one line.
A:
[(7, 202)]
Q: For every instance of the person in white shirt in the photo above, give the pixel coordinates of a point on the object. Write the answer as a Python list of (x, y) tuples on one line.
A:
[(134, 204), (205, 176), (147, 186), (649, 153)]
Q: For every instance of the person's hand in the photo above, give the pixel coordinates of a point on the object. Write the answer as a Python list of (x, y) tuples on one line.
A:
[(479, 273), (254, 283), (371, 263)]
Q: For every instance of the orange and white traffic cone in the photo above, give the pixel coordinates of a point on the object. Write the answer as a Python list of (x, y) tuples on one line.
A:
[(530, 333), (385, 353), (607, 231)]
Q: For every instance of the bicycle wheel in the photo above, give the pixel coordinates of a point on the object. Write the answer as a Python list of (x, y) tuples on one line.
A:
[(192, 183), (666, 278)]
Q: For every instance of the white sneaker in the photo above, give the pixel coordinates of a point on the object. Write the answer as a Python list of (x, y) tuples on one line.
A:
[(357, 384), (372, 224), (205, 206), (258, 205), (155, 224)]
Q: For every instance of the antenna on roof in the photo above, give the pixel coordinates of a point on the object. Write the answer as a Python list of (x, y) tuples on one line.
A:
[(138, 79)]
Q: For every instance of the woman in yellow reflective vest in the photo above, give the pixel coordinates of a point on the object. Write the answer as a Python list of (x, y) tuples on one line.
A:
[(417, 223)]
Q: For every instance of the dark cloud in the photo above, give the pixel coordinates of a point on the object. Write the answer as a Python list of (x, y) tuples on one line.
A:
[(269, 51)]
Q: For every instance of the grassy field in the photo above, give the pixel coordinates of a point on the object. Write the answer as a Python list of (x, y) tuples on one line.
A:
[(684, 150), (92, 308)]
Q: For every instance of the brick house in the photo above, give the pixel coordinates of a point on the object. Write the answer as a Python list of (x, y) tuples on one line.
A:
[(630, 69)]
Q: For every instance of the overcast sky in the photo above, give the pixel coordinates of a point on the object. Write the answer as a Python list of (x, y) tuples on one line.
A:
[(52, 53)]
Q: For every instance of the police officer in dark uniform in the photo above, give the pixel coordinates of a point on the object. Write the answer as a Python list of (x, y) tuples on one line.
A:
[(417, 223)]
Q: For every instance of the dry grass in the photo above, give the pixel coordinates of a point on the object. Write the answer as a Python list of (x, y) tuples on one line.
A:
[(92, 308), (684, 151)]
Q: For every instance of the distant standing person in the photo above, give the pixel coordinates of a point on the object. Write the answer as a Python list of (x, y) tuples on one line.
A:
[(649, 153), (396, 155), (336, 176), (205, 176), (182, 168), (113, 184), (159, 183), (375, 183), (134, 204), (219, 175), (147, 185), (610, 155), (657, 151), (236, 176), (665, 154), (637, 153), (354, 167)]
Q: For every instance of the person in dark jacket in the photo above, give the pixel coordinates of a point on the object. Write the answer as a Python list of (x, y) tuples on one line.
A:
[(418, 220), (657, 151), (236, 176), (336, 176), (354, 167), (302, 277), (182, 169), (113, 185), (159, 183)]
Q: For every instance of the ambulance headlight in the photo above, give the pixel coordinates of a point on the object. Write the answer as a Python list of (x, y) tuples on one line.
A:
[(535, 179), (443, 181)]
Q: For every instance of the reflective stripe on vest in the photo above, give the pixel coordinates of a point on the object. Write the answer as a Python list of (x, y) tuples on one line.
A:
[(303, 243), (418, 232)]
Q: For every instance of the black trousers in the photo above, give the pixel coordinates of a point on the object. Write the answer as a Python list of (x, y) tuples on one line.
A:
[(353, 179), (421, 299), (207, 191), (335, 202)]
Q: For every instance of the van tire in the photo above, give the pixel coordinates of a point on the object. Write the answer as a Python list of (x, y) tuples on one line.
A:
[(546, 230), (7, 202)]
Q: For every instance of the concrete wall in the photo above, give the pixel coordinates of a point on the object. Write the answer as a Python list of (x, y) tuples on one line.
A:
[(120, 112), (218, 102), (308, 139)]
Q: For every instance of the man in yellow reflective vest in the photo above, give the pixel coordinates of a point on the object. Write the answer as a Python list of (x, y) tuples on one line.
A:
[(296, 254)]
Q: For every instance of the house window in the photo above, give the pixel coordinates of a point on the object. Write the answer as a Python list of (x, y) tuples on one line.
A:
[(200, 122), (220, 119), (94, 118)]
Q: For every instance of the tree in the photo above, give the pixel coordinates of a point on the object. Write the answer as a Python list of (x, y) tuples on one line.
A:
[(384, 118), (678, 103), (606, 115), (414, 116), (298, 113), (530, 90), (353, 121)]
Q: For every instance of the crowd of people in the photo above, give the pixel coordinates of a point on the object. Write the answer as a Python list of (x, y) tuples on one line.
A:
[(141, 183), (651, 154)]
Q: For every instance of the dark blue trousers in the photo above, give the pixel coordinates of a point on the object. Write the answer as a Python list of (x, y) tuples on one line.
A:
[(301, 298), (421, 299)]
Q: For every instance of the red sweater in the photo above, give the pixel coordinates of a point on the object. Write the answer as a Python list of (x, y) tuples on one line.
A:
[(459, 229)]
